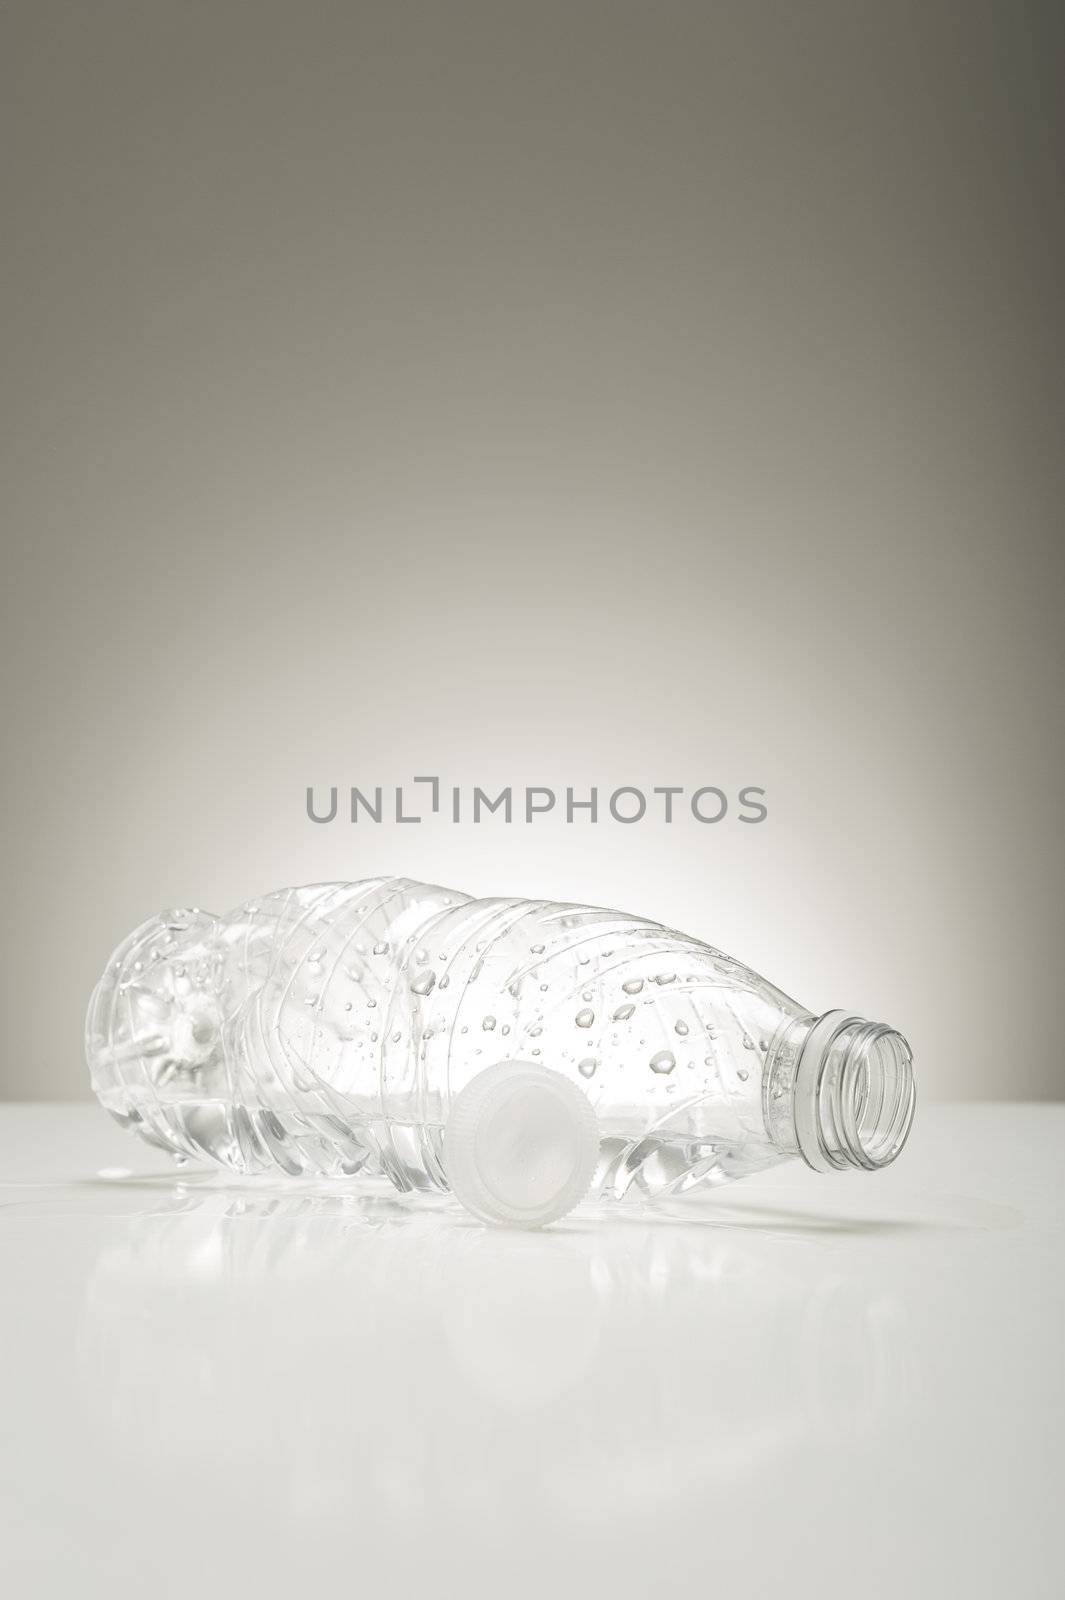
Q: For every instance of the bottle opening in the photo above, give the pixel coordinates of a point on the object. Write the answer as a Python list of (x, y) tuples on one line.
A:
[(854, 1094)]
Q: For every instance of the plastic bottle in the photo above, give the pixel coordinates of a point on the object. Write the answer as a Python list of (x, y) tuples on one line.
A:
[(519, 1052)]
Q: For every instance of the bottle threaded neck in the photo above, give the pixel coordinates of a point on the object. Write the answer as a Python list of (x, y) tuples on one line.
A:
[(851, 1088)]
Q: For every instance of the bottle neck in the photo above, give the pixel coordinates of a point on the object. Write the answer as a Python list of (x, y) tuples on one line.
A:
[(839, 1092)]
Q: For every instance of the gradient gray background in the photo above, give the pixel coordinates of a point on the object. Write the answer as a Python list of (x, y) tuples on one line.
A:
[(542, 393)]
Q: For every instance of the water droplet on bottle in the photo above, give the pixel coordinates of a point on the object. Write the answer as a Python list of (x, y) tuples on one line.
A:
[(424, 982), (421, 957), (505, 1028), (748, 1044), (663, 1061), (347, 1005), (633, 985), (623, 1013), (371, 1003), (396, 1037), (373, 1038), (535, 1032), (312, 998), (681, 1028), (380, 949), (488, 1024), (585, 1018), (586, 994), (478, 968), (543, 988), (537, 949), (583, 958), (444, 981), (665, 977), (743, 1074), (587, 1067)]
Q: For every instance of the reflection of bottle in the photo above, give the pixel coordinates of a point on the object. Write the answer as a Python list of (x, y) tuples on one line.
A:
[(333, 1029)]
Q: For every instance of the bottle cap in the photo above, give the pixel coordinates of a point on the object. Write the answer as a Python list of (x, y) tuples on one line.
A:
[(521, 1145)]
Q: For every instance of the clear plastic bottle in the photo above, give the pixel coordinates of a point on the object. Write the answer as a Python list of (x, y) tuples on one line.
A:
[(332, 1029)]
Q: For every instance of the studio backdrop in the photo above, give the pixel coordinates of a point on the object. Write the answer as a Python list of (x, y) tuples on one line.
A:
[(598, 451)]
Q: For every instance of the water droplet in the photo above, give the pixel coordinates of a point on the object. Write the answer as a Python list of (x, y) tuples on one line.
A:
[(583, 958), (464, 1029), (585, 1018), (421, 957), (748, 1044), (663, 1061), (681, 1028), (424, 982), (587, 1067), (478, 968), (543, 988), (743, 1074), (534, 1052), (396, 1037), (444, 981), (315, 955), (537, 949), (371, 1003), (586, 994), (633, 985), (380, 949), (623, 1013), (347, 1005), (312, 998), (534, 1033), (505, 1028), (763, 1044), (488, 1024), (373, 1038), (665, 977)]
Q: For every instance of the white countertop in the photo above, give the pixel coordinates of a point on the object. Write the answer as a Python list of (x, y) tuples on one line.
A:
[(841, 1386)]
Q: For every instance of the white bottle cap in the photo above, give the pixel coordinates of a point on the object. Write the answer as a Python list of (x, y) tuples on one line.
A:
[(521, 1145)]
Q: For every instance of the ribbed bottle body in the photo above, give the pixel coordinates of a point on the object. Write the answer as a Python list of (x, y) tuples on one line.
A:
[(326, 1030)]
